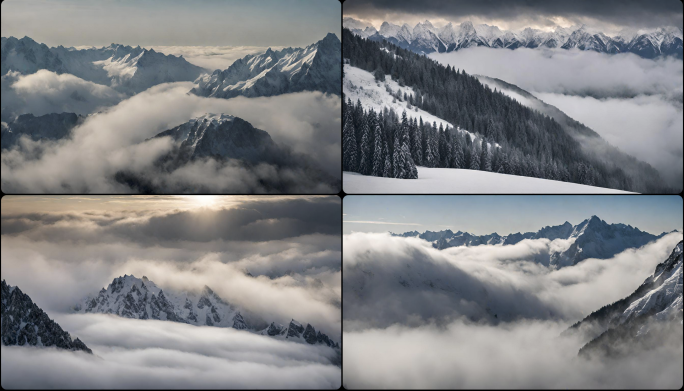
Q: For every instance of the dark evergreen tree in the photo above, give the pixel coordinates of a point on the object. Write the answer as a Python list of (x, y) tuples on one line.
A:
[(365, 163), (349, 147), (378, 160)]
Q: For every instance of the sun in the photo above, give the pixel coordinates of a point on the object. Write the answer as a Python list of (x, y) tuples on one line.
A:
[(204, 200)]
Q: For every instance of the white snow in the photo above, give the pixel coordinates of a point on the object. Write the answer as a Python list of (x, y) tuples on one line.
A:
[(361, 85), (451, 180)]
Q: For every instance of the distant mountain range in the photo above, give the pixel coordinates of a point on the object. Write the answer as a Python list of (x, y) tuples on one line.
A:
[(124, 68), (641, 319), (592, 238), (426, 38), (313, 68), (140, 298), (24, 323)]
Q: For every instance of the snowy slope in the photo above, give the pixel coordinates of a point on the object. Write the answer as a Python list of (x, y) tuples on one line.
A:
[(140, 298), (361, 85), (313, 68), (642, 319), (223, 136), (450, 181), (24, 323)]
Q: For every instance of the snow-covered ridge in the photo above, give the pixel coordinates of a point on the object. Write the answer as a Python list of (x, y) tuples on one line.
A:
[(313, 68), (592, 238), (653, 309), (426, 38), (360, 85), (125, 68), (24, 323), (223, 136), (141, 298)]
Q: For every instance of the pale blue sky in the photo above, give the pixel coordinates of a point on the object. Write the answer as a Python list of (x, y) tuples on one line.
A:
[(506, 214), (172, 22)]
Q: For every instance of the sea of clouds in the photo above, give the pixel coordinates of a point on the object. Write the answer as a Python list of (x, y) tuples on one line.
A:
[(418, 317), (110, 141)]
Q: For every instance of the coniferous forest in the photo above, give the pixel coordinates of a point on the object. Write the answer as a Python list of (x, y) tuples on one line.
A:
[(511, 138)]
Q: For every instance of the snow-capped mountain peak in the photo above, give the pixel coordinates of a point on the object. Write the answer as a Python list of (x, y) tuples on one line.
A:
[(592, 238), (656, 305), (313, 68), (140, 298), (425, 38)]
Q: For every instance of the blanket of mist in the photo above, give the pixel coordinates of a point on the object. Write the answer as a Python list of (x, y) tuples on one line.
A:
[(276, 257), (634, 103), (435, 335), (157, 354), (109, 141)]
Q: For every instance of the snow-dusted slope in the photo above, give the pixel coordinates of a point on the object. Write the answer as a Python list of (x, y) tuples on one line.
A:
[(360, 85), (450, 181), (222, 136), (45, 127), (125, 68), (425, 38), (641, 319), (592, 238), (140, 298), (313, 68), (24, 323)]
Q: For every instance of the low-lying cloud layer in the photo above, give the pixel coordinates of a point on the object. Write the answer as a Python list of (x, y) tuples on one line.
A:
[(290, 247), (212, 57), (130, 353), (487, 316), (109, 144), (526, 354), (390, 280), (633, 102), (46, 92)]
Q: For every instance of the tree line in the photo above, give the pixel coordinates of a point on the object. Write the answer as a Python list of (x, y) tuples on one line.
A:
[(519, 140)]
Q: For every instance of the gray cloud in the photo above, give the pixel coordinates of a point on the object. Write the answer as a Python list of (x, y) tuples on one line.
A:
[(45, 92), (156, 354), (290, 247), (632, 102), (412, 310), (110, 142), (525, 354), (632, 13), (390, 280), (212, 57)]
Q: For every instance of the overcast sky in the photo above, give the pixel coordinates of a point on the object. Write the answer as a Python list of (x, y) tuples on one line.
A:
[(75, 245), (481, 215), (612, 15), (172, 22)]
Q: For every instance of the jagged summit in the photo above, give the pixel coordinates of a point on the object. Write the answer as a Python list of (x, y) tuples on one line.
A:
[(124, 68), (592, 238), (24, 323), (664, 41), (313, 68), (140, 298), (653, 308)]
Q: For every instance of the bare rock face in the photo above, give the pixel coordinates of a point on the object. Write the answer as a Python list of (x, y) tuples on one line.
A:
[(24, 323)]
